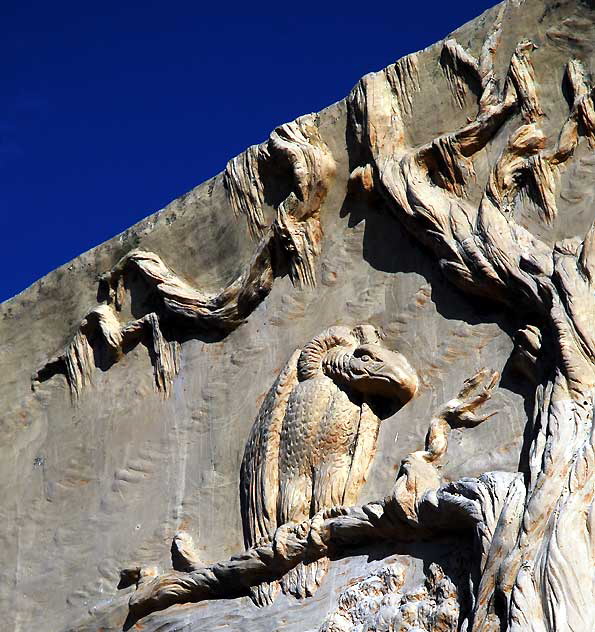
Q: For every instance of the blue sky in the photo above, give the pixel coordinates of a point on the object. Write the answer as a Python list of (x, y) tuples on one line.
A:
[(110, 110)]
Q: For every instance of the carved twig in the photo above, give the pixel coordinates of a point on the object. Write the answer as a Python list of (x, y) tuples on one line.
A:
[(419, 473)]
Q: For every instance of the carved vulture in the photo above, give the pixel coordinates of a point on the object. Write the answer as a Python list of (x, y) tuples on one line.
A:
[(313, 441)]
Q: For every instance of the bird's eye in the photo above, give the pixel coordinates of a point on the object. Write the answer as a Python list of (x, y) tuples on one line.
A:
[(366, 358)]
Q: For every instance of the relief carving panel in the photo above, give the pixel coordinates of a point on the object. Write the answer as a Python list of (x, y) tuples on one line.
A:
[(387, 396)]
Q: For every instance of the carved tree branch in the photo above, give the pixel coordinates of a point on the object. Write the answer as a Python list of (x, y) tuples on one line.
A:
[(417, 505), (470, 504), (290, 244)]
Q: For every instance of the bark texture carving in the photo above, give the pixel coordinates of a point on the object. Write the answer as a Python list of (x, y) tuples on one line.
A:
[(535, 577), (289, 245)]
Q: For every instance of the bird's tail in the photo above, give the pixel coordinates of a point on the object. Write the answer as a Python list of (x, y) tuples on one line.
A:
[(304, 579), (264, 594)]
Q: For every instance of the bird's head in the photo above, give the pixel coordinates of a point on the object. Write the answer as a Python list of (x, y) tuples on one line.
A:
[(356, 358), (374, 370)]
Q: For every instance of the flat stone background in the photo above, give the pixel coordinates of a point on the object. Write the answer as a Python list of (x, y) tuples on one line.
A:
[(91, 488)]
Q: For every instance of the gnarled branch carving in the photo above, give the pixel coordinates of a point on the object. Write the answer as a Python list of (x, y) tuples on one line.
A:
[(290, 244)]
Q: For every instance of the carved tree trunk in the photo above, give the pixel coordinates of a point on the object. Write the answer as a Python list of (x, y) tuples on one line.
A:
[(539, 575)]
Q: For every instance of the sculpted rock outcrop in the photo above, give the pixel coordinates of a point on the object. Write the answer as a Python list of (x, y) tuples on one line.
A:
[(314, 439), (378, 603), (289, 245)]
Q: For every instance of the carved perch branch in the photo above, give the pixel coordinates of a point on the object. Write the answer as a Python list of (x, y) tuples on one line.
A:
[(466, 505), (417, 506)]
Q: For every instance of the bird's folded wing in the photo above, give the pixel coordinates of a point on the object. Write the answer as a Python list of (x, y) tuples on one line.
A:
[(259, 477)]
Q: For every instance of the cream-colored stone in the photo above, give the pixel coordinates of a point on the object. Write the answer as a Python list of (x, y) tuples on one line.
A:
[(462, 160)]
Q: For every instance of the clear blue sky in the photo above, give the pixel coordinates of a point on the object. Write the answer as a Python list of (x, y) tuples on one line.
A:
[(109, 110)]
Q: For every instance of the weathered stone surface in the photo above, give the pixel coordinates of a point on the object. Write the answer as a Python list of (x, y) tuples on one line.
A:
[(143, 437)]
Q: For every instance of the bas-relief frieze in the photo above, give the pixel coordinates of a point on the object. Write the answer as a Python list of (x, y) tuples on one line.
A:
[(314, 439)]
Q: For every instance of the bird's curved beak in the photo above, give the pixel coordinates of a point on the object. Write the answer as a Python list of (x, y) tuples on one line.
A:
[(392, 376)]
